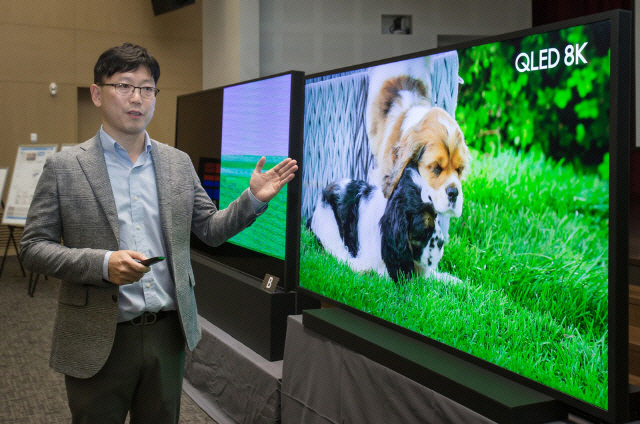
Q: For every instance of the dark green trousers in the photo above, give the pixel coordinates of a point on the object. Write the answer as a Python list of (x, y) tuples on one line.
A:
[(143, 376)]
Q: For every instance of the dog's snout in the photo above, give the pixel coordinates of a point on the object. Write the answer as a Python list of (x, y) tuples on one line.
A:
[(452, 193)]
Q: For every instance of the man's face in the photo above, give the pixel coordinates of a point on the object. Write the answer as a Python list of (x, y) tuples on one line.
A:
[(125, 116)]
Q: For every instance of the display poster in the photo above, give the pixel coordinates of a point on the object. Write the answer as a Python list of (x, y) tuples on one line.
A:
[(4, 171), (26, 172)]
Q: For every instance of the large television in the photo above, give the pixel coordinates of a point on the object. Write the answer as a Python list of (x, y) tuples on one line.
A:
[(476, 197), (225, 131)]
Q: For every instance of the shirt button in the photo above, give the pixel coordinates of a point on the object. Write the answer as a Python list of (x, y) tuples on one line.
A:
[(138, 227), (148, 285), (135, 198)]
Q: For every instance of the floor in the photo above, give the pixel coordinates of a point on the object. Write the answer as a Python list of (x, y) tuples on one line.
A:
[(30, 391)]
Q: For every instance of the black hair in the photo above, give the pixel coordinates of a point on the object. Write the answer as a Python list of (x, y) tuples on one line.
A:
[(125, 58)]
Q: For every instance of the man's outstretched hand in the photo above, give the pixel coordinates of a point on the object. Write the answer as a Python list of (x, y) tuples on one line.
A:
[(265, 185)]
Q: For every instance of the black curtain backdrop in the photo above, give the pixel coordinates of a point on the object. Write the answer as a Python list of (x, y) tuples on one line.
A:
[(549, 11)]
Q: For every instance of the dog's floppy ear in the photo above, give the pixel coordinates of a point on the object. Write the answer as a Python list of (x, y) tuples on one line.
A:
[(410, 148), (395, 246)]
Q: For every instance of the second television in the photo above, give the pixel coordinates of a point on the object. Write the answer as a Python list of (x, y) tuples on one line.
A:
[(225, 131), (475, 197)]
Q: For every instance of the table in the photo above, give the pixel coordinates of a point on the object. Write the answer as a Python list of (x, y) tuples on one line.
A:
[(231, 382)]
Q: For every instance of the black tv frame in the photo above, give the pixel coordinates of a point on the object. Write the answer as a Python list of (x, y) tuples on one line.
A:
[(619, 137), (251, 263)]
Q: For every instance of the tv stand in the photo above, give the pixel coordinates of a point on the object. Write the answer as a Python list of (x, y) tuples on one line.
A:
[(237, 304), (490, 395)]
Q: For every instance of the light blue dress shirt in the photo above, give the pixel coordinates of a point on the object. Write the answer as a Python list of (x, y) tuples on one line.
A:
[(136, 197)]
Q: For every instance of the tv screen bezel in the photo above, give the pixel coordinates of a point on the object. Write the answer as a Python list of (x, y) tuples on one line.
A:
[(619, 142), (241, 258)]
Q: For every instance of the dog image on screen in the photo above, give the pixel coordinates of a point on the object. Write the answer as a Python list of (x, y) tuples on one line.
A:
[(402, 124), (397, 222), (397, 237)]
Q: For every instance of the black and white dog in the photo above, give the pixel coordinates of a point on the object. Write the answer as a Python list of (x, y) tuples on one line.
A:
[(397, 237)]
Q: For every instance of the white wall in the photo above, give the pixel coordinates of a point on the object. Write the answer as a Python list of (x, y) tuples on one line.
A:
[(319, 35), (245, 39), (230, 41)]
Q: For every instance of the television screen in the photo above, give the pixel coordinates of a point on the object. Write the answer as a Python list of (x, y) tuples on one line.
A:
[(225, 131), (476, 198)]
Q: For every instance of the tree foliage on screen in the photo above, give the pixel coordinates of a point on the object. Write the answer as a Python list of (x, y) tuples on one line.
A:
[(563, 111)]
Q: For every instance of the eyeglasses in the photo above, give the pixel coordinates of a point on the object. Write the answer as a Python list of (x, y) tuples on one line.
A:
[(128, 89)]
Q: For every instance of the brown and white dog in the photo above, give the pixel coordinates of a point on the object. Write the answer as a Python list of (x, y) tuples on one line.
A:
[(397, 222), (402, 126)]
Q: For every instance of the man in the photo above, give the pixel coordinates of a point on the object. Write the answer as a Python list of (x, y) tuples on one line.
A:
[(100, 208)]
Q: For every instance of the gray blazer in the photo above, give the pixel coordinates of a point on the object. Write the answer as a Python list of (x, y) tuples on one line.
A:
[(71, 224)]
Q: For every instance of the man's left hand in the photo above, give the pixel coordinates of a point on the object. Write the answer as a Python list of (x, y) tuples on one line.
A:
[(265, 185)]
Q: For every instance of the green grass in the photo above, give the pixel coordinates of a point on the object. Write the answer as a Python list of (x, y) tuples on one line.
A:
[(267, 234), (531, 249)]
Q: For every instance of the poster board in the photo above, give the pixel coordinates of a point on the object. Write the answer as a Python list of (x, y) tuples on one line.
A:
[(26, 172), (4, 171)]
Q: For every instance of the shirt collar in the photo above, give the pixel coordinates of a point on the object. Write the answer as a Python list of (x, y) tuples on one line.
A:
[(109, 144)]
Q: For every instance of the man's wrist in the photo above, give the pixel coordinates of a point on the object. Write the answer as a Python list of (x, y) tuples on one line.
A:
[(105, 265), (258, 205)]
